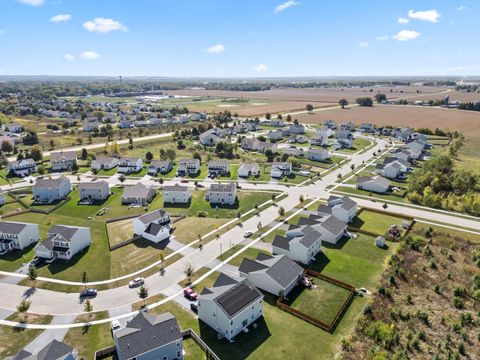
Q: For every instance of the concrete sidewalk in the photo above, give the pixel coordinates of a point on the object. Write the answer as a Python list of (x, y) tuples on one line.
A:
[(48, 335)]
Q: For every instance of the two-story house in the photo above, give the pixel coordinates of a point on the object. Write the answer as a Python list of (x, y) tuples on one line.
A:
[(95, 191), (104, 163), (218, 168), (17, 235), (188, 167), (316, 154), (176, 194), (302, 249), (64, 242), (280, 169), (159, 167), (154, 226), (129, 165), (49, 190), (343, 208), (138, 194), (22, 167), (63, 160), (223, 193)]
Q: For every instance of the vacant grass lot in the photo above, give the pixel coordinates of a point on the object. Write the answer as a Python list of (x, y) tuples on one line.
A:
[(321, 302), (357, 145), (394, 196), (250, 253), (15, 339), (189, 228), (356, 261), (375, 222)]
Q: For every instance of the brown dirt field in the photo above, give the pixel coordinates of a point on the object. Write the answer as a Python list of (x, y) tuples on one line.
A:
[(260, 110), (321, 95), (454, 96), (467, 122)]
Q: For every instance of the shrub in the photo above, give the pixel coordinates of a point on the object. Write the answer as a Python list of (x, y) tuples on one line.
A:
[(458, 303), (381, 333), (460, 292), (367, 310), (438, 289), (423, 315), (202, 214)]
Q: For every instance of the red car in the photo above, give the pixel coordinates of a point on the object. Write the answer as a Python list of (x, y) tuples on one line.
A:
[(184, 181), (190, 294)]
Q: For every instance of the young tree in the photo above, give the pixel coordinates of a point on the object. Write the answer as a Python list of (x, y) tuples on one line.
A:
[(289, 118), (281, 211), (23, 307), (85, 279), (32, 275), (36, 153), (149, 156), (301, 199), (41, 169), (122, 178), (6, 146), (343, 103), (309, 108), (84, 154), (268, 116), (130, 143), (189, 270), (143, 294), (88, 308), (52, 144)]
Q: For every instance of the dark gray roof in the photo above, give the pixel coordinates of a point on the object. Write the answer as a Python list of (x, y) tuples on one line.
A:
[(66, 232), (7, 227), (247, 266), (281, 242), (146, 332), (63, 155), (238, 297), (105, 160), (223, 187), (54, 350), (49, 183), (224, 280), (93, 185), (152, 216), (153, 229), (175, 187), (311, 220), (160, 163), (285, 271), (263, 256), (324, 209), (21, 355), (348, 203), (213, 163), (137, 191), (310, 238), (333, 225)]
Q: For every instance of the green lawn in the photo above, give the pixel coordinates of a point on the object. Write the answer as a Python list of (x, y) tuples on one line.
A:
[(15, 339), (357, 145), (250, 253), (321, 302), (13, 260), (375, 222), (356, 261), (188, 229), (389, 196)]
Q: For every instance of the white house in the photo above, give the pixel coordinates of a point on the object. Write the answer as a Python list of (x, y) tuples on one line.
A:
[(297, 129), (331, 228), (293, 151), (128, 165), (149, 336), (64, 242), (302, 249), (222, 193), (63, 160), (12, 127), (154, 226), (188, 167), (317, 154), (94, 191), (159, 167), (176, 194), (22, 167), (218, 167), (230, 306), (330, 124), (104, 163), (281, 169), (89, 126), (376, 184), (248, 170), (277, 122), (49, 190), (17, 235), (320, 138), (210, 137), (138, 194), (275, 135), (343, 208), (391, 170), (276, 274)]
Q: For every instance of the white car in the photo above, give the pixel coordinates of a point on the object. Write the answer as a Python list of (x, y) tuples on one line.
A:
[(115, 325), (136, 282), (247, 234)]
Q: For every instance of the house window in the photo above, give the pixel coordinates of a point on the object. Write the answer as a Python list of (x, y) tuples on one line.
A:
[(179, 354), (244, 322)]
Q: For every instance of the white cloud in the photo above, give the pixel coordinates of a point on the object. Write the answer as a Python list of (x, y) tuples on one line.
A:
[(31, 2), (60, 18), (90, 55), (69, 57), (382, 38), (363, 44), (104, 25), (284, 6), (461, 8), (427, 15), (403, 20), (406, 35), (261, 68), (215, 49)]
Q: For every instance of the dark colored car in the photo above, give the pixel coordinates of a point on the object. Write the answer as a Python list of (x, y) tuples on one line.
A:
[(190, 294), (36, 262), (194, 307), (89, 292)]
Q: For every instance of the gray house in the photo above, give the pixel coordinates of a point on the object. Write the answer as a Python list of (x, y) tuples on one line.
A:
[(218, 167), (376, 184), (159, 167), (94, 191), (149, 337), (54, 350), (49, 190), (188, 167), (22, 167), (223, 193), (138, 194), (63, 160), (17, 235)]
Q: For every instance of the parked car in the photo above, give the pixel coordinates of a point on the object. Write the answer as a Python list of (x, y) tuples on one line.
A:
[(194, 306), (190, 294), (247, 233), (184, 181), (115, 325), (88, 292), (136, 282), (36, 262)]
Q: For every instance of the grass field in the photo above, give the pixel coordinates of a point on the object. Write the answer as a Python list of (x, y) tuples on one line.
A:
[(396, 196), (321, 302), (375, 222), (188, 229)]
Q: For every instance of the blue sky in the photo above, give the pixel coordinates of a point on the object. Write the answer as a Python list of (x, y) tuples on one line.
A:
[(239, 38)]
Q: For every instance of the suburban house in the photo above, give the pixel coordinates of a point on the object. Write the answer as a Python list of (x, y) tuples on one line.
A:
[(89, 126), (293, 151), (330, 124), (276, 274), (63, 160), (367, 127), (94, 191), (302, 249), (210, 137), (138, 194), (223, 193), (104, 163), (49, 190), (218, 168), (230, 306), (149, 336), (348, 126), (297, 129), (130, 165), (2, 197), (248, 169), (343, 143), (12, 127), (343, 208), (320, 138), (331, 229), (300, 139), (125, 123), (281, 169), (17, 235), (277, 122), (401, 153), (54, 350), (406, 166), (404, 134), (376, 184), (176, 194), (154, 226), (159, 167), (343, 134), (22, 167), (64, 242), (275, 135), (188, 167), (391, 170), (317, 154), (264, 146), (251, 144)]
